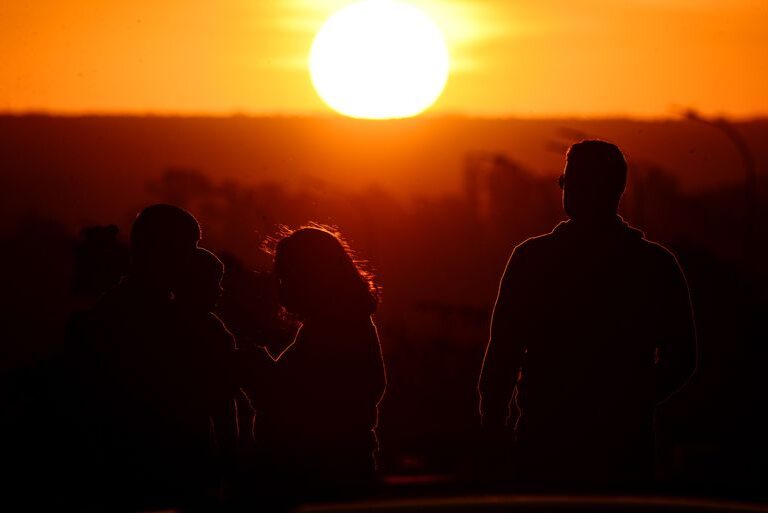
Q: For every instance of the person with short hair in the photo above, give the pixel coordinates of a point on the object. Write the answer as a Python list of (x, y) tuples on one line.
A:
[(203, 381), (118, 353), (592, 328)]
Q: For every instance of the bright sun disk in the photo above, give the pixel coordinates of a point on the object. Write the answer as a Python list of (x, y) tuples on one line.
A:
[(379, 59)]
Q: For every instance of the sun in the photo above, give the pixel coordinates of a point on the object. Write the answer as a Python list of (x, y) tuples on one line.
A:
[(379, 59)]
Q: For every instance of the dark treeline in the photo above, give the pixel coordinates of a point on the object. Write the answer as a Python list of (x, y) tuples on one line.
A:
[(438, 260), (91, 168)]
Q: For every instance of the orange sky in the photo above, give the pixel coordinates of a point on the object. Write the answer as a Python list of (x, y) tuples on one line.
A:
[(509, 57)]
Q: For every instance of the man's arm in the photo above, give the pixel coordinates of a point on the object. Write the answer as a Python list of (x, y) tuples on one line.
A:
[(503, 354), (676, 348)]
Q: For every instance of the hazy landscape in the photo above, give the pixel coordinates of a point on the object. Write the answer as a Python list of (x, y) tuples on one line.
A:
[(435, 206), (84, 169)]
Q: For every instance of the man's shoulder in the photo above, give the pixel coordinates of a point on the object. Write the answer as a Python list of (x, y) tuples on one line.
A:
[(658, 253), (537, 244), (559, 240)]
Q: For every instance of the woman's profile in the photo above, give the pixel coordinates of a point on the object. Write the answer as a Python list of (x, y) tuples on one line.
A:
[(320, 420)]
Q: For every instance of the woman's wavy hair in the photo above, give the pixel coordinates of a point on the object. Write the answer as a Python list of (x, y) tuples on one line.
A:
[(319, 274)]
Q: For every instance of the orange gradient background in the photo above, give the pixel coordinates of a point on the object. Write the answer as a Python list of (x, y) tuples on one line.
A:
[(525, 58)]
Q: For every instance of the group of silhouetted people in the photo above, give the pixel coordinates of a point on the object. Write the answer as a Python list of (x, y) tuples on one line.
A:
[(161, 382), (592, 328)]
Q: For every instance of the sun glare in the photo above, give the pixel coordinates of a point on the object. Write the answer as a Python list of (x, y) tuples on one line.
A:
[(379, 59)]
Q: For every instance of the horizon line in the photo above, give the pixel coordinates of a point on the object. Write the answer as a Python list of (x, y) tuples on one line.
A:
[(672, 116)]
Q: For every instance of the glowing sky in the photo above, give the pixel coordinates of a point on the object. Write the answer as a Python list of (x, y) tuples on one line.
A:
[(509, 57)]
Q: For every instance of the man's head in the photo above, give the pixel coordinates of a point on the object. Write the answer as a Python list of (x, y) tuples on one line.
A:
[(161, 237), (594, 180)]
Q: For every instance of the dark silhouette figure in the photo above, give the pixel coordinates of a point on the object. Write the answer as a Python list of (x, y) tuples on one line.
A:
[(318, 422), (251, 309), (100, 261), (592, 328), (123, 360), (202, 392)]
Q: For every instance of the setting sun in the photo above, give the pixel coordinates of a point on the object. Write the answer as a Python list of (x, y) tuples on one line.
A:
[(379, 59)]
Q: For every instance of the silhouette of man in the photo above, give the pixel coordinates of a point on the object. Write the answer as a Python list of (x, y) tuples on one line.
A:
[(591, 329), (121, 352)]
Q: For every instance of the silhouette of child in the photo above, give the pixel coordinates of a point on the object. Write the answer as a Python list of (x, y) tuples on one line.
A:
[(319, 421), (204, 374)]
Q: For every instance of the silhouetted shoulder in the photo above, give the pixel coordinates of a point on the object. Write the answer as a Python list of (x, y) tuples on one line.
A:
[(537, 245), (533, 244), (659, 256), (214, 322), (657, 250), (217, 326)]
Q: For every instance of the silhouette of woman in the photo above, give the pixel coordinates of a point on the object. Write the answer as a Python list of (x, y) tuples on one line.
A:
[(320, 423)]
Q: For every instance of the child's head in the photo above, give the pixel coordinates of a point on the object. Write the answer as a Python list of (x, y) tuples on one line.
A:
[(319, 277), (199, 281)]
